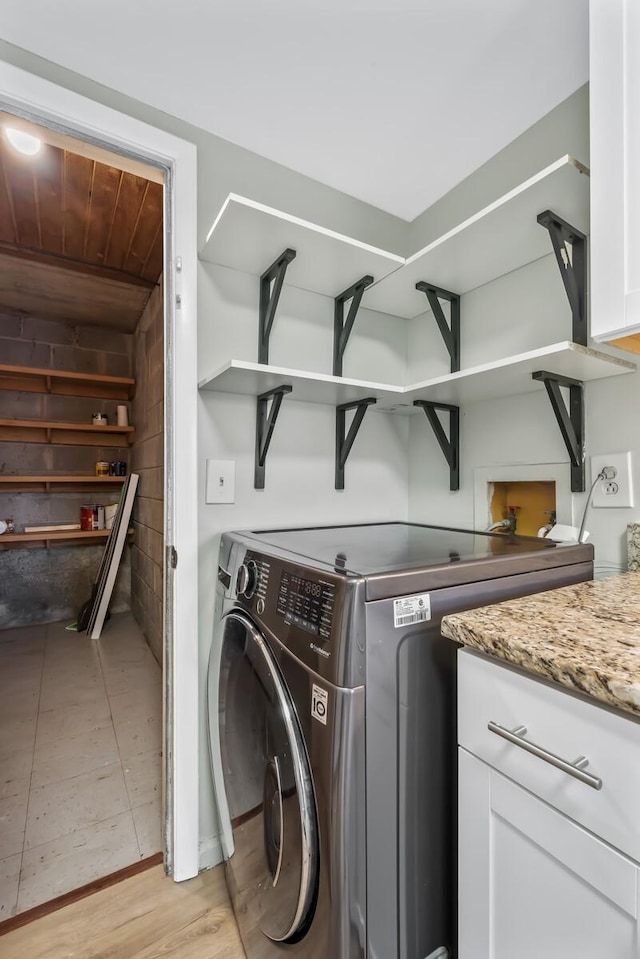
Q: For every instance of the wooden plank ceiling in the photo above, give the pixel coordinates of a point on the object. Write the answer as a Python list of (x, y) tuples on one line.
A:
[(63, 213)]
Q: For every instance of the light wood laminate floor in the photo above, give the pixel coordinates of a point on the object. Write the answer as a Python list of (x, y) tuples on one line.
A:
[(80, 758), (146, 917)]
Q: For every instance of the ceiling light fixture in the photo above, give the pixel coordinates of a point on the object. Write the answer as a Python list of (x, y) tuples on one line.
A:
[(23, 142)]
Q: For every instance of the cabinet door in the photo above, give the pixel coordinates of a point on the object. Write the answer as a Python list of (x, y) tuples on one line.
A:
[(614, 91), (533, 883)]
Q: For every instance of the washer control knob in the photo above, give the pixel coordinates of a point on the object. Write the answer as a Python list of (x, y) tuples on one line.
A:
[(247, 579)]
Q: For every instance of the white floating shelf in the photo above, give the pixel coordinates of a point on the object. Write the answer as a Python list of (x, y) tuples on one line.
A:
[(506, 377), (500, 238), (254, 378), (512, 376), (249, 236)]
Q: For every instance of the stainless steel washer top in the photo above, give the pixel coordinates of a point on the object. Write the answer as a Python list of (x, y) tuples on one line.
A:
[(368, 549), (332, 726)]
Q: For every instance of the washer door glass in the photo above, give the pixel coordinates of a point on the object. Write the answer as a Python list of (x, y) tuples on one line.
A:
[(269, 789)]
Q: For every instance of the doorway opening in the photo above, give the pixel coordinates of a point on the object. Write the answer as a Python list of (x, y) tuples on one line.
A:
[(81, 294)]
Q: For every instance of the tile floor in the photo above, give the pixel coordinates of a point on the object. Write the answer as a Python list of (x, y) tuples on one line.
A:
[(80, 758)]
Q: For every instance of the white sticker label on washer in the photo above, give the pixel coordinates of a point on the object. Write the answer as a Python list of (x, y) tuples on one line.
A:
[(411, 609), (319, 699)]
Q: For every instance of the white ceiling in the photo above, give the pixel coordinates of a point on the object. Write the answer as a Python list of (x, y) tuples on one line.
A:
[(390, 101)]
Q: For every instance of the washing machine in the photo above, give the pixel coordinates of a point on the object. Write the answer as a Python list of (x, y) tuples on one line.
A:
[(332, 727)]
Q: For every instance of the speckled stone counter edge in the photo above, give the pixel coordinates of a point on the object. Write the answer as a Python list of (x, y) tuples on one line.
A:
[(584, 637)]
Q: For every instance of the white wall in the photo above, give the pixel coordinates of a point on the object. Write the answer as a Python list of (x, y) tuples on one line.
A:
[(523, 430), (613, 414), (521, 311), (302, 333)]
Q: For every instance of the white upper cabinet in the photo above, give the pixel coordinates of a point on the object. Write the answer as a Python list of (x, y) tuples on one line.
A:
[(615, 167)]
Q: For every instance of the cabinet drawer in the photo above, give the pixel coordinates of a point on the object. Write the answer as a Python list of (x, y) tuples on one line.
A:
[(562, 725)]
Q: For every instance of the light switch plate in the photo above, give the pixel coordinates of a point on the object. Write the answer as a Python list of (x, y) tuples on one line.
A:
[(617, 491), (220, 484)]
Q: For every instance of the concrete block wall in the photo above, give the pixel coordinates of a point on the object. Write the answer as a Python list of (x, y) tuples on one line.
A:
[(147, 459), (30, 341), (51, 585), (40, 585)]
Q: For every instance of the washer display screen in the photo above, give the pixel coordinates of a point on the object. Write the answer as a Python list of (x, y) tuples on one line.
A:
[(307, 603)]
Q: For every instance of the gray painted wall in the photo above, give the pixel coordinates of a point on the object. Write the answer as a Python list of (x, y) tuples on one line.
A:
[(395, 470), (563, 130)]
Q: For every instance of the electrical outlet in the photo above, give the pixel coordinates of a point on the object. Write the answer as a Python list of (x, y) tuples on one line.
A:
[(617, 489), (221, 481)]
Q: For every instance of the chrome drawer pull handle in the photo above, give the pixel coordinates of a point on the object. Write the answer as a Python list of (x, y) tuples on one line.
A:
[(575, 769)]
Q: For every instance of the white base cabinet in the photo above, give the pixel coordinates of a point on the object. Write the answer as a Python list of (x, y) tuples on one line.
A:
[(534, 883)]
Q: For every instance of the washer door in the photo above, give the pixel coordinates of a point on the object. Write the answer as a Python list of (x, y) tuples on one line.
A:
[(269, 789)]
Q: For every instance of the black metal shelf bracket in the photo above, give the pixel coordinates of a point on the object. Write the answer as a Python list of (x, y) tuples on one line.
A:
[(570, 421), (572, 264), (265, 422), (450, 333), (342, 327), (270, 289), (450, 445), (344, 440)]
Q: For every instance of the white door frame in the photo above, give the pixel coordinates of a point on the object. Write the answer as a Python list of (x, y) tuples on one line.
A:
[(24, 93)]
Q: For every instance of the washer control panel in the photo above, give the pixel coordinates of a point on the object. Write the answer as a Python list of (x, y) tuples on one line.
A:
[(253, 579), (306, 609), (311, 611), (307, 603)]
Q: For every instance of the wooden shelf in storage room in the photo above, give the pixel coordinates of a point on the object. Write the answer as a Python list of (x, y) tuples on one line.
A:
[(249, 236), (250, 379), (71, 537), (12, 483), (29, 379), (506, 377), (500, 238), (69, 434)]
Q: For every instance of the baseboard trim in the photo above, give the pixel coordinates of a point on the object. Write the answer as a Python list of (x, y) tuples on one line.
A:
[(30, 915)]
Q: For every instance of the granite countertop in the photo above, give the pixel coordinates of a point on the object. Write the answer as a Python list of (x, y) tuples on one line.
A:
[(585, 637)]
